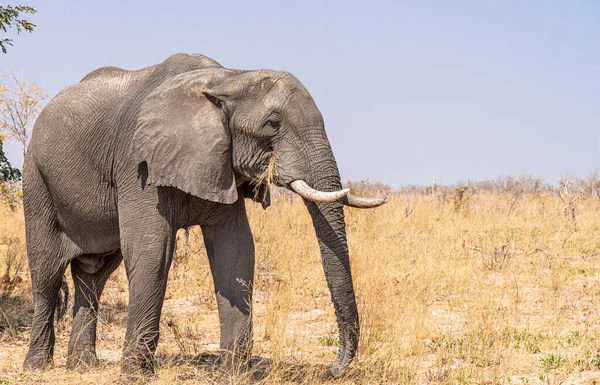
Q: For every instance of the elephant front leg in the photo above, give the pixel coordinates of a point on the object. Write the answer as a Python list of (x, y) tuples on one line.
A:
[(147, 248), (230, 250)]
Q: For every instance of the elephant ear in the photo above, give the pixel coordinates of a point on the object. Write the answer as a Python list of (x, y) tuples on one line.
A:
[(182, 136)]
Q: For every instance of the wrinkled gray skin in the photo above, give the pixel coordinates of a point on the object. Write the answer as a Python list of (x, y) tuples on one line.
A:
[(121, 161)]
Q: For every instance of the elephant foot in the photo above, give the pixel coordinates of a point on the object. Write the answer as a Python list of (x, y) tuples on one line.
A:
[(260, 367), (38, 361), (137, 369), (240, 370), (83, 360), (231, 362), (337, 368)]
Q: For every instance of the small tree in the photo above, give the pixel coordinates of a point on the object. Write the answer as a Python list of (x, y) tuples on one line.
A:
[(11, 17), (20, 103), (10, 182), (591, 184), (513, 190), (7, 172), (461, 197), (569, 192)]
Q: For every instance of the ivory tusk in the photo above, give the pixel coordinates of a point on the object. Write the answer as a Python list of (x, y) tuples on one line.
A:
[(305, 191), (362, 202)]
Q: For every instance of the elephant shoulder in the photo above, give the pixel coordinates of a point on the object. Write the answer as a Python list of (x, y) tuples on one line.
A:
[(105, 72), (181, 62)]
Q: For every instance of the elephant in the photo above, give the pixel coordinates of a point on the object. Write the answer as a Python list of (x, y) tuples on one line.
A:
[(123, 159)]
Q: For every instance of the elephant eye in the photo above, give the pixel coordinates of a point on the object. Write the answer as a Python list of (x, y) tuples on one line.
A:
[(273, 123)]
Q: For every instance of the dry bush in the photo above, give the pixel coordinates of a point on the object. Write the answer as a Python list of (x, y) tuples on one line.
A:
[(462, 194), (444, 298), (15, 300), (11, 195), (368, 188), (590, 185), (13, 257)]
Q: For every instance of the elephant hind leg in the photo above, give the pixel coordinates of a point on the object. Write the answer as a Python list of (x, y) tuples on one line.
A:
[(46, 283), (48, 260), (88, 289)]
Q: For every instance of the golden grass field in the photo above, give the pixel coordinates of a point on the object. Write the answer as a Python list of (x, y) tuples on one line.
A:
[(478, 293)]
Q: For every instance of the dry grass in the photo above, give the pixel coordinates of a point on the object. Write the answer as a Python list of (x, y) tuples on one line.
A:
[(475, 291)]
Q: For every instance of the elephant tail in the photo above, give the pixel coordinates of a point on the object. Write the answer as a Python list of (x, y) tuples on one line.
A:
[(63, 300)]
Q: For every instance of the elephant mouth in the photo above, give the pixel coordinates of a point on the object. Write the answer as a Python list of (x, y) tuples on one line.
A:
[(268, 175), (264, 180)]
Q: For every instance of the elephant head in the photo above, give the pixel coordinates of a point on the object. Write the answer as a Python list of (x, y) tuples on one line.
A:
[(207, 131)]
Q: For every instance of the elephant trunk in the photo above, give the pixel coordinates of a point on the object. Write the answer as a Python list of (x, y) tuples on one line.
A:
[(330, 227)]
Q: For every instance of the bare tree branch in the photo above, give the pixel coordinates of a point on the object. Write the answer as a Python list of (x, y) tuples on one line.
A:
[(20, 103)]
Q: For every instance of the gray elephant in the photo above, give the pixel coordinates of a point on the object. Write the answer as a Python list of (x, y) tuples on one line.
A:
[(122, 160)]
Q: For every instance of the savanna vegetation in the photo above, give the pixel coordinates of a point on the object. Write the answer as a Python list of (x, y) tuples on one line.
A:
[(482, 283)]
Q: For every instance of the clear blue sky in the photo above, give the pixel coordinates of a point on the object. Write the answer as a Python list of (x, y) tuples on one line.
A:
[(463, 89)]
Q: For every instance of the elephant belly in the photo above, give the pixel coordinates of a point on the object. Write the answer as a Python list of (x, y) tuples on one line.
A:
[(89, 220)]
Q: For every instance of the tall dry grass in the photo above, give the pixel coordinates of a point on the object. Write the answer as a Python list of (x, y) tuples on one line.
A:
[(476, 289)]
